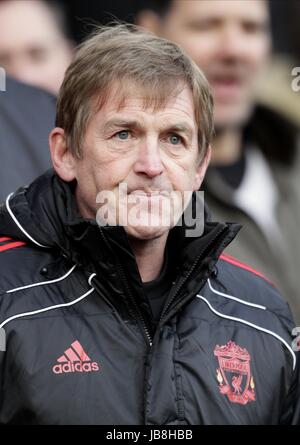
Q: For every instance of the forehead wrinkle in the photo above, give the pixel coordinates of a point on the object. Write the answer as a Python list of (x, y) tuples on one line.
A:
[(178, 113), (149, 102), (170, 123)]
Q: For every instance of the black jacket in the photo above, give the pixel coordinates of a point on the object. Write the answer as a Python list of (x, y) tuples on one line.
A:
[(81, 346)]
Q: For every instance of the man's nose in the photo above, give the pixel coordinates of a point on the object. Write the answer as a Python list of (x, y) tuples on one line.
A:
[(233, 43), (149, 160)]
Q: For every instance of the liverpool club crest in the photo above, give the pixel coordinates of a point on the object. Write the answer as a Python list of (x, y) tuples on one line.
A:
[(234, 374)]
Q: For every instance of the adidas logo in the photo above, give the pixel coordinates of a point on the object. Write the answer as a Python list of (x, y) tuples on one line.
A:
[(75, 359)]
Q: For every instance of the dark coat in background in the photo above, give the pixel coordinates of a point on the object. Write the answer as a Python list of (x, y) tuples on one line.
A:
[(27, 116)]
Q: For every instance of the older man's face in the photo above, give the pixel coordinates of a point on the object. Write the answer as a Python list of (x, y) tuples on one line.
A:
[(230, 42), (152, 152)]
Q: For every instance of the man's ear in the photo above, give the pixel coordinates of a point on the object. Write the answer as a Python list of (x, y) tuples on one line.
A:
[(149, 20), (201, 169), (63, 161)]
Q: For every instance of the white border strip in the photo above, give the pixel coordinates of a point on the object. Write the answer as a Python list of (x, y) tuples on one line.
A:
[(230, 297), (39, 311), (240, 320), (43, 283), (19, 225)]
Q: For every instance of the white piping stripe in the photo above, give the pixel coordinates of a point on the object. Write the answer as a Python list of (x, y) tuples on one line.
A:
[(240, 320), (230, 297), (19, 225), (26, 314), (43, 283), (91, 277)]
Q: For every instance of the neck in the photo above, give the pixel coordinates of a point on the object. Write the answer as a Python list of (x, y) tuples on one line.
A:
[(149, 256), (227, 147)]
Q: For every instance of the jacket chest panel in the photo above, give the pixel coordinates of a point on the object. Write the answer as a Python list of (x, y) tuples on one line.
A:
[(227, 373), (74, 370)]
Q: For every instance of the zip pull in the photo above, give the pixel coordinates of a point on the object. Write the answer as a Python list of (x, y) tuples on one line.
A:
[(2, 340)]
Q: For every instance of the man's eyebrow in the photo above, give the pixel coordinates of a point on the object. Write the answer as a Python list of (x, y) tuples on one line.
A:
[(123, 123), (181, 128)]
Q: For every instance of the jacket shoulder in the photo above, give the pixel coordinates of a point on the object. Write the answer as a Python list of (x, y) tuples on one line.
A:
[(252, 286), (20, 263)]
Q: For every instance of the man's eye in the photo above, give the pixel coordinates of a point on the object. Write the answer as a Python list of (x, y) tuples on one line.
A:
[(255, 28), (204, 25), (38, 54), (175, 139), (123, 135)]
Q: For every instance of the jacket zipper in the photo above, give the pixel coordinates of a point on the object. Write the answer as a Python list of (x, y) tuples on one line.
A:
[(190, 272), (136, 311), (136, 308)]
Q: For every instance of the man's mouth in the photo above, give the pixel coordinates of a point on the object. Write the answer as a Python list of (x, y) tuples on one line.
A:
[(226, 88), (149, 193)]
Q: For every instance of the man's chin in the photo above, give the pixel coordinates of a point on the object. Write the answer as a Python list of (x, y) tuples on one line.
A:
[(146, 233), (231, 116)]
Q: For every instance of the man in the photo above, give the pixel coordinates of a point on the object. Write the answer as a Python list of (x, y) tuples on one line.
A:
[(24, 152), (254, 176), (131, 319), (35, 46)]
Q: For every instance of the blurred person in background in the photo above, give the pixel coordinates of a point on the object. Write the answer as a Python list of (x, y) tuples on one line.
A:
[(27, 115), (277, 88), (254, 176), (35, 46)]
